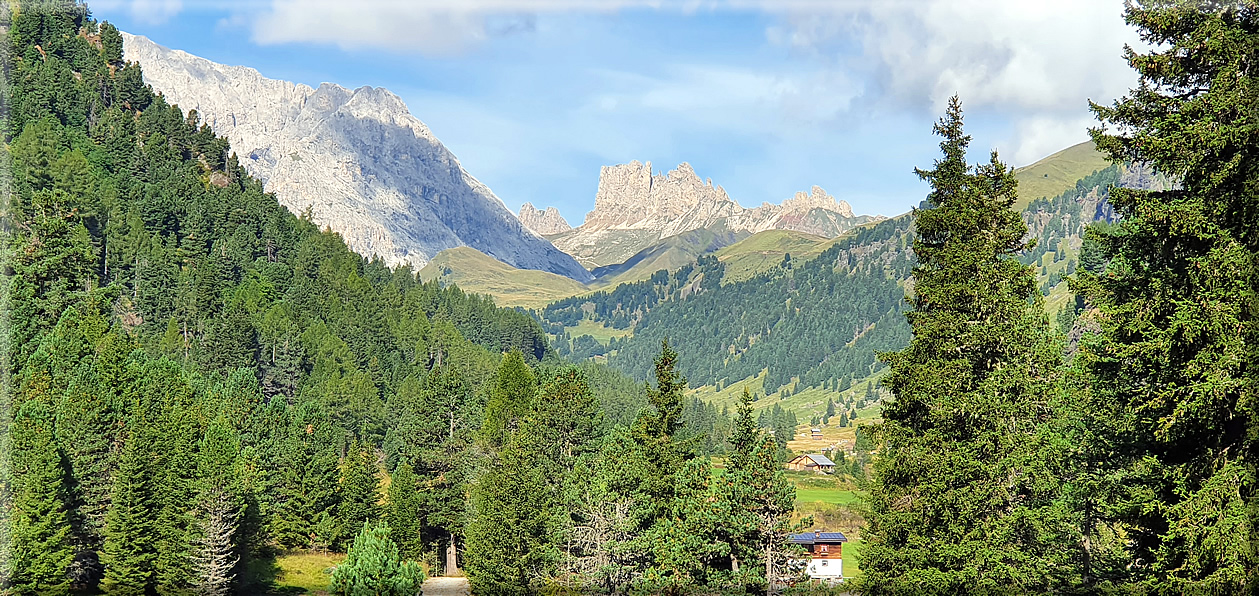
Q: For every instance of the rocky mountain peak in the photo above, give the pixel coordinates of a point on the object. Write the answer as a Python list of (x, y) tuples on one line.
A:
[(358, 159), (635, 208), (543, 222), (817, 199)]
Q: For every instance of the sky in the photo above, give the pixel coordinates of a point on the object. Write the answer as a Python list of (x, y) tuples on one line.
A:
[(764, 97)]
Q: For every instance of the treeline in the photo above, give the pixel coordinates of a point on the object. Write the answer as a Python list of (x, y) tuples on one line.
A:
[(1130, 465)]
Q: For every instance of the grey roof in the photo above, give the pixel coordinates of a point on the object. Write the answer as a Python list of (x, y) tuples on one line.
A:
[(821, 460), (818, 537)]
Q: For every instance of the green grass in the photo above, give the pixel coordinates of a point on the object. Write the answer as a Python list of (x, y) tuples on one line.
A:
[(1052, 175), (760, 252), (827, 495), (306, 573), (475, 272), (850, 557), (599, 331)]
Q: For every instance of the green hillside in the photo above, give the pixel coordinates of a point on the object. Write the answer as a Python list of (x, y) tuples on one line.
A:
[(476, 272), (811, 325), (668, 254), (764, 250), (1057, 173)]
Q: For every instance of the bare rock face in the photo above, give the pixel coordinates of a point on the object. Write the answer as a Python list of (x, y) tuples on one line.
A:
[(635, 208), (543, 222), (357, 159)]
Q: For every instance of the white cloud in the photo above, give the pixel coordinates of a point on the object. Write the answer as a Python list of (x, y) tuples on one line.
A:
[(1035, 62), (149, 12)]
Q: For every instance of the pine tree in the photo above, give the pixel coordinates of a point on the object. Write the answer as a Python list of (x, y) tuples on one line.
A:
[(958, 463), (360, 488), (220, 502), (655, 434), (512, 395), (374, 567), (1174, 284), (130, 550), (308, 480), (511, 537), (760, 501), (40, 528), (403, 513)]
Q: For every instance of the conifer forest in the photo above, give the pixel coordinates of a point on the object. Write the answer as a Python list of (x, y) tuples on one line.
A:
[(198, 382)]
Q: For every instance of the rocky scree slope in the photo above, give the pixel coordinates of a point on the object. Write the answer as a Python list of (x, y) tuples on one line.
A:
[(356, 159)]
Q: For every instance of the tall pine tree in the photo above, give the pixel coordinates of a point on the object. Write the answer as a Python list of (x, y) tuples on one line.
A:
[(959, 501), (40, 527), (1176, 360)]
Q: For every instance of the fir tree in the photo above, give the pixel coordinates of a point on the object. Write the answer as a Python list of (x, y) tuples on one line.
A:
[(403, 514), (1174, 284), (511, 537), (220, 502), (130, 550), (360, 488), (511, 397), (40, 527), (958, 463)]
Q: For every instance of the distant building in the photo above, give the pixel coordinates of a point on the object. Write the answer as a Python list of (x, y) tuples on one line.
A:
[(814, 462), (825, 554)]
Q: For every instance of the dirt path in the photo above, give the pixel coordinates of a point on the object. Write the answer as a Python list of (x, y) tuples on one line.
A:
[(446, 586)]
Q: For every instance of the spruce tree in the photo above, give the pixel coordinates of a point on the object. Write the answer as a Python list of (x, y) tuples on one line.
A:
[(220, 502), (308, 480), (40, 527), (1174, 285), (511, 396), (130, 550), (655, 433), (403, 514), (511, 537), (960, 502), (360, 489)]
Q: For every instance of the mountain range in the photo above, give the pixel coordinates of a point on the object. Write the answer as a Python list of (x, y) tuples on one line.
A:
[(355, 161), (636, 208), (791, 297)]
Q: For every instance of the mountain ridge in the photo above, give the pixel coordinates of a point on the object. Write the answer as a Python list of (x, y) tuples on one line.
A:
[(357, 159), (635, 208)]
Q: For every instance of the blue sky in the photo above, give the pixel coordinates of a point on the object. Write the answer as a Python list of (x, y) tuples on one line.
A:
[(765, 98)]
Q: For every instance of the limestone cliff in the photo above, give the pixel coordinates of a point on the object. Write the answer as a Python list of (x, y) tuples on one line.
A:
[(543, 222), (635, 209), (357, 159)]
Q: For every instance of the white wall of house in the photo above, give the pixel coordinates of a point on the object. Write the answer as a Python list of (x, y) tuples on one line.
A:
[(827, 569)]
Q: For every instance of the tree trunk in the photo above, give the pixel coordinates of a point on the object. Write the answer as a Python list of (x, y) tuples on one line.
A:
[(451, 560)]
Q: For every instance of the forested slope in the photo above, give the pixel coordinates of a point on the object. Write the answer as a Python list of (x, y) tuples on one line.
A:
[(817, 322), (182, 349)]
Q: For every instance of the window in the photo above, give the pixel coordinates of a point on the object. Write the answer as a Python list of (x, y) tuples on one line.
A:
[(824, 562), (822, 549)]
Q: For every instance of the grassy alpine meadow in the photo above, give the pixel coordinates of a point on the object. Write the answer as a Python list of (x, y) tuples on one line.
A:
[(305, 572)]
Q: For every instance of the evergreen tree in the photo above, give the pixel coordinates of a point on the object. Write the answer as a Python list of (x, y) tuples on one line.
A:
[(220, 502), (130, 550), (511, 536), (655, 434), (360, 488), (308, 480), (374, 567), (403, 513), (1174, 284), (40, 527), (958, 464), (511, 398)]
